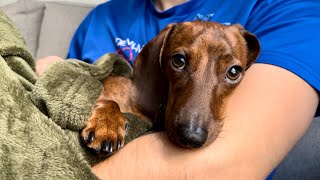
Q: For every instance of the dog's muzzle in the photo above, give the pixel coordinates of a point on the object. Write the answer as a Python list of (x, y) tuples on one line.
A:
[(191, 136)]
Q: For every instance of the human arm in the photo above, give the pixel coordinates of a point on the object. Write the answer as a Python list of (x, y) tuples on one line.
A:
[(265, 116), (44, 63)]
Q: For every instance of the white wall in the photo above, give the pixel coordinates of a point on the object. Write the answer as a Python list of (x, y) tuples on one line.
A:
[(4, 2)]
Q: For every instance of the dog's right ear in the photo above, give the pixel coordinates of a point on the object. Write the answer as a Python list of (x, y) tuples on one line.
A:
[(148, 77), (253, 45)]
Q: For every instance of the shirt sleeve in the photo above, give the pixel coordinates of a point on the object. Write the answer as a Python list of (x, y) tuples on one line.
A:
[(289, 35), (78, 39)]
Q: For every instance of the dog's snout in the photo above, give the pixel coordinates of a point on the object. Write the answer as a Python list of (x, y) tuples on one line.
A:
[(192, 137)]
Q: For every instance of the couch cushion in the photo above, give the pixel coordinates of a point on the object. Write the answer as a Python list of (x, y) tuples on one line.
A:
[(27, 15), (58, 26), (303, 161)]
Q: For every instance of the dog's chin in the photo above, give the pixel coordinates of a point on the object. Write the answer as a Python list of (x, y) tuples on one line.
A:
[(194, 140), (184, 144), (191, 141)]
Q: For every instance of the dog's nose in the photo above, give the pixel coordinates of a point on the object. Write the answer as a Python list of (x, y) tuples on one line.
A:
[(192, 137)]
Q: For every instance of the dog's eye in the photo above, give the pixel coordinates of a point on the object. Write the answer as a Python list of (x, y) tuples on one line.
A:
[(178, 61), (234, 73)]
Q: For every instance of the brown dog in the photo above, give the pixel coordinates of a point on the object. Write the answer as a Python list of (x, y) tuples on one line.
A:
[(181, 81)]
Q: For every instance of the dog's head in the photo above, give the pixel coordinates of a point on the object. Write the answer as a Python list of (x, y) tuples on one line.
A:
[(194, 66)]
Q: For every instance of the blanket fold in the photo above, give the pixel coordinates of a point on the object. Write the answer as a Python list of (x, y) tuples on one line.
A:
[(41, 118)]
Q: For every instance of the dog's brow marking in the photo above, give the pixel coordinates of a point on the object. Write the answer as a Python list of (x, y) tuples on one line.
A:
[(200, 58), (206, 62), (235, 39)]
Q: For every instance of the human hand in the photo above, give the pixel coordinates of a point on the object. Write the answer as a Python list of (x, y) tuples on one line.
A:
[(42, 64)]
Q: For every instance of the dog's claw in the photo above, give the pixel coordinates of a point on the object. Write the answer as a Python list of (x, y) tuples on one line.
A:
[(111, 148), (126, 126), (105, 146), (118, 144), (90, 137)]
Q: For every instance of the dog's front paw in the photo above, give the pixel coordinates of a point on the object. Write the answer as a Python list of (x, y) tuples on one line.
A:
[(105, 130)]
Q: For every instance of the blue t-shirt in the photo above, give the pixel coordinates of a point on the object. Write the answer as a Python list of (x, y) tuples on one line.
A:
[(288, 30)]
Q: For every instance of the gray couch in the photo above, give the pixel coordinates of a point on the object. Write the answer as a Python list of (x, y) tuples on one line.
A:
[(48, 28)]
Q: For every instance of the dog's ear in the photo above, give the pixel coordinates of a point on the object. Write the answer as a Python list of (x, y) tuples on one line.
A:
[(148, 77), (253, 45)]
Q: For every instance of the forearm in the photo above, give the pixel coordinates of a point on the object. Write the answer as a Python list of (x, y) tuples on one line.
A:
[(154, 157), (264, 119)]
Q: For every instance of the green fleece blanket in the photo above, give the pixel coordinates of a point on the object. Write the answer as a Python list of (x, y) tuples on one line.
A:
[(41, 118)]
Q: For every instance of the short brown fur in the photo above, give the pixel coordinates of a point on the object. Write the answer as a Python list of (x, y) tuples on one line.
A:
[(194, 96)]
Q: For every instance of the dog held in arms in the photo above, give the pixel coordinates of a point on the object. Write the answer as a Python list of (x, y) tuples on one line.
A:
[(181, 81)]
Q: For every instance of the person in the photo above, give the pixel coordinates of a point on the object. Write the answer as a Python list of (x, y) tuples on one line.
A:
[(266, 115)]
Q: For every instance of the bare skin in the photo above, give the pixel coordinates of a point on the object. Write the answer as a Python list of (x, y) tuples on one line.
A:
[(250, 145), (162, 5), (44, 63)]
